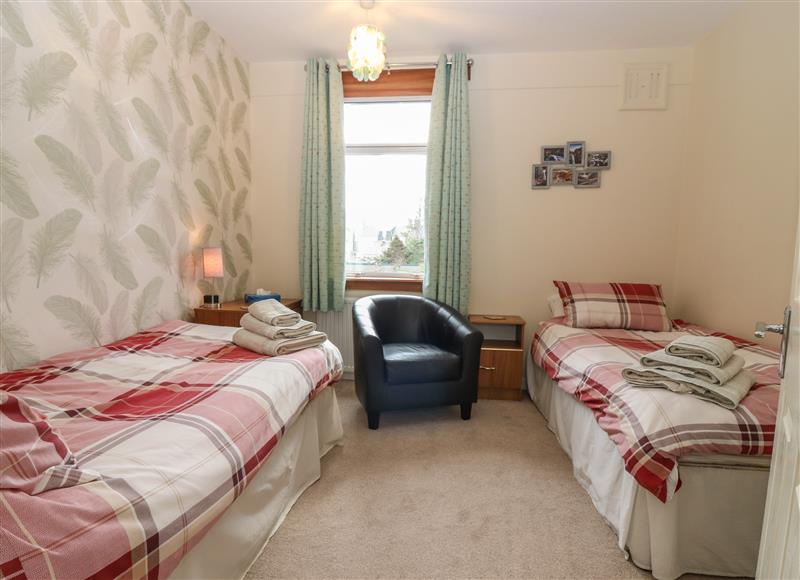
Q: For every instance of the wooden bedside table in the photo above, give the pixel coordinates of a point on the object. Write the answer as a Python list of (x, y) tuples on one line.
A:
[(230, 313), (502, 356)]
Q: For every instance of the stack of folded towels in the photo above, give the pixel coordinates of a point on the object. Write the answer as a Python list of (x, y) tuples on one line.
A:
[(271, 328), (703, 366)]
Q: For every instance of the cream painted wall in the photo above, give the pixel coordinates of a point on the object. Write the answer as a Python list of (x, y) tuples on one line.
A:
[(276, 119), (739, 204), (522, 239)]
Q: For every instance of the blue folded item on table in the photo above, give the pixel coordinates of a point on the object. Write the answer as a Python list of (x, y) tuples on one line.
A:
[(250, 298)]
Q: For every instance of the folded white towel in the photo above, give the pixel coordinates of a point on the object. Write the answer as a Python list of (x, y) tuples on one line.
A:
[(727, 395), (711, 350), (274, 313), (253, 324), (691, 368), (263, 345)]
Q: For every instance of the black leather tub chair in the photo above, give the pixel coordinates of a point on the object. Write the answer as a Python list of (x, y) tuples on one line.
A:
[(413, 352)]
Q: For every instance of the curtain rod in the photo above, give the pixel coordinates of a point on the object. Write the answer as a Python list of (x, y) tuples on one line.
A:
[(410, 65), (403, 65)]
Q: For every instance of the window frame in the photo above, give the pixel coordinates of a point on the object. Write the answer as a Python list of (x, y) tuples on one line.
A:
[(387, 281)]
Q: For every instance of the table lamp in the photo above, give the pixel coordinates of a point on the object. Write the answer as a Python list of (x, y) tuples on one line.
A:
[(212, 268)]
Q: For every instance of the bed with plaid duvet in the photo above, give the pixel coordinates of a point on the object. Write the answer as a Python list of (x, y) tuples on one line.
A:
[(174, 421), (650, 427)]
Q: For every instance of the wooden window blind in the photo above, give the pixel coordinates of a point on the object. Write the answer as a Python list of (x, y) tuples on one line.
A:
[(399, 83)]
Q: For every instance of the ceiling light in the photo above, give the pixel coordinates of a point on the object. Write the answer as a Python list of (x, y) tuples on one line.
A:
[(367, 51)]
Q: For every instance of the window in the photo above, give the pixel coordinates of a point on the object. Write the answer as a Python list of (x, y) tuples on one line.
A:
[(386, 152)]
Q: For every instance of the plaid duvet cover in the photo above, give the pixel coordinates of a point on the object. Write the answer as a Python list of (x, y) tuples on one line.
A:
[(176, 420), (652, 427)]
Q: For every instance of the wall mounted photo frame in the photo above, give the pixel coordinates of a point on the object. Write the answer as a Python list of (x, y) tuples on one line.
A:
[(576, 153), (562, 176), (540, 177), (570, 164), (598, 160), (585, 179), (554, 154)]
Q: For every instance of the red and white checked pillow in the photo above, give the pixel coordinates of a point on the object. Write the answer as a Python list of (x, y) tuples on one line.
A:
[(614, 305), (34, 457)]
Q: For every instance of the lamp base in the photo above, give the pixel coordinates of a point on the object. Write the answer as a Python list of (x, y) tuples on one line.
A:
[(211, 301)]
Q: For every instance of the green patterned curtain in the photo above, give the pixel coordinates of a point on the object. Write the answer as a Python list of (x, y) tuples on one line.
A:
[(447, 202), (322, 218)]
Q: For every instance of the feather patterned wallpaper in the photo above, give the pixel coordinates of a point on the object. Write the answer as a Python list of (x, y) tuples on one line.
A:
[(125, 149)]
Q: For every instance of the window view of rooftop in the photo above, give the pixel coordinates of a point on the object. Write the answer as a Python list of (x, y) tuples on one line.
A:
[(385, 187)]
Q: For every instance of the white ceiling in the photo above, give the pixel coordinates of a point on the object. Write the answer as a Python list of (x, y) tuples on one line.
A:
[(276, 30)]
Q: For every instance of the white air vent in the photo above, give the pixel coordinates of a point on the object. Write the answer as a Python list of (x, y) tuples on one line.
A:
[(644, 86)]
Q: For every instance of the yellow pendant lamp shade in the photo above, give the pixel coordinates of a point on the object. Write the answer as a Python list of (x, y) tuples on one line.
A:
[(367, 52)]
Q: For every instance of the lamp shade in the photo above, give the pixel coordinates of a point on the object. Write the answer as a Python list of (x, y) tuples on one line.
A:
[(212, 263), (367, 52)]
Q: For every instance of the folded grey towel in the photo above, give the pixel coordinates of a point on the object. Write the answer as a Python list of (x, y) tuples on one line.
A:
[(274, 313), (691, 368), (711, 350), (253, 324), (727, 395), (263, 345)]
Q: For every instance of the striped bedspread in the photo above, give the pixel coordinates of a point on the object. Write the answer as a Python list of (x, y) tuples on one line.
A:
[(651, 428), (176, 420)]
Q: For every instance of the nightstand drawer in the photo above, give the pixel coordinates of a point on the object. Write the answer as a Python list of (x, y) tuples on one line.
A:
[(230, 313), (502, 355), (218, 317), (500, 374), (487, 371)]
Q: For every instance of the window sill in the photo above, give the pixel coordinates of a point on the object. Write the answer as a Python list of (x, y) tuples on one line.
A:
[(384, 284)]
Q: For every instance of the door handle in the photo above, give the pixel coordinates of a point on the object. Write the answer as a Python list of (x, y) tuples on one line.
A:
[(762, 328), (483, 368)]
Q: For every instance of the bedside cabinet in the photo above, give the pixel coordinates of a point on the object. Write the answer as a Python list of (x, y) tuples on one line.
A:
[(230, 313), (502, 356)]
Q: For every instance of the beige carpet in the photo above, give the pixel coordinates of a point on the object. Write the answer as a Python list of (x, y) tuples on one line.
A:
[(431, 496)]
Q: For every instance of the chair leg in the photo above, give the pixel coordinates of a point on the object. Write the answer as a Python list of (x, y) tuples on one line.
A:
[(373, 419), (466, 411)]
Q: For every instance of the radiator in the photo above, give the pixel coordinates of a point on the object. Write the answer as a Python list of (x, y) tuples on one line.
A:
[(339, 328)]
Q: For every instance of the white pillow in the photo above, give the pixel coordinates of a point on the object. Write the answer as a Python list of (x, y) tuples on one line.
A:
[(556, 306)]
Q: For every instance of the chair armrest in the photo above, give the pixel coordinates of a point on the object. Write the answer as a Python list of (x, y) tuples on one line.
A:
[(367, 347), (469, 341), (471, 353)]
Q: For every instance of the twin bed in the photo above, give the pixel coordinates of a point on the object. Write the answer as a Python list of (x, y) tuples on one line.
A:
[(178, 434), (681, 481)]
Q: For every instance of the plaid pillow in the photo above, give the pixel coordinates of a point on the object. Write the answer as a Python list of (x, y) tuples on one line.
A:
[(34, 457), (614, 305)]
